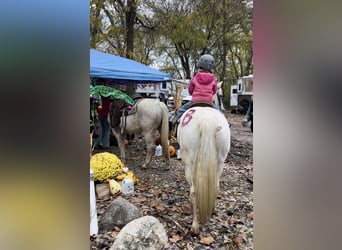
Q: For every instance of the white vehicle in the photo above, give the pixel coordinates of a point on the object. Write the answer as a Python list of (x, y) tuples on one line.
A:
[(159, 90), (241, 93), (185, 98), (178, 86)]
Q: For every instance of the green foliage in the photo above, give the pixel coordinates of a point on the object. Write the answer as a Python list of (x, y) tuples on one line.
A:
[(173, 34)]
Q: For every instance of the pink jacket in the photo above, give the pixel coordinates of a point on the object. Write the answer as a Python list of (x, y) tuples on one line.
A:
[(203, 87)]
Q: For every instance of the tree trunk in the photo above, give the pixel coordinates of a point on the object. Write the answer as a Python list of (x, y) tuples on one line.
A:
[(95, 24), (130, 21)]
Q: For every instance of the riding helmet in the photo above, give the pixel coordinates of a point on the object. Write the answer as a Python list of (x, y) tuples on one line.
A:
[(206, 62)]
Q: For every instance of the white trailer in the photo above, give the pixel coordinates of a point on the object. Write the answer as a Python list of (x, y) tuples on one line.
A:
[(241, 93), (154, 90)]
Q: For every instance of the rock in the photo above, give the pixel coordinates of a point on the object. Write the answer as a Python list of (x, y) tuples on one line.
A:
[(144, 233), (102, 191), (118, 213)]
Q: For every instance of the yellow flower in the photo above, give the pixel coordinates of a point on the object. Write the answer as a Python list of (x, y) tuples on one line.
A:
[(105, 166)]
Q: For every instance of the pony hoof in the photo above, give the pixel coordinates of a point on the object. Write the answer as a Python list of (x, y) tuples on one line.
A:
[(195, 232)]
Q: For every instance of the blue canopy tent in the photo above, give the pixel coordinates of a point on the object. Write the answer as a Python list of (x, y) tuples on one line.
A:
[(124, 71)]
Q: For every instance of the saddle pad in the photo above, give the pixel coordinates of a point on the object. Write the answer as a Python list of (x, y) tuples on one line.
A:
[(134, 108)]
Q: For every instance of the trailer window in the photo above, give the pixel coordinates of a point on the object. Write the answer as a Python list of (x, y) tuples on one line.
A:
[(234, 91)]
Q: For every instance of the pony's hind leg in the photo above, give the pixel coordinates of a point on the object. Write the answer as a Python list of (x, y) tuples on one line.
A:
[(150, 149), (218, 191), (195, 225), (120, 140)]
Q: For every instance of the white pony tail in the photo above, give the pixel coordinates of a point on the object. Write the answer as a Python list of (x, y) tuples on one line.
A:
[(164, 131), (205, 168)]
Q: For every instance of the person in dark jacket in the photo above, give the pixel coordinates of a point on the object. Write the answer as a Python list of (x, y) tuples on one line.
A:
[(249, 116)]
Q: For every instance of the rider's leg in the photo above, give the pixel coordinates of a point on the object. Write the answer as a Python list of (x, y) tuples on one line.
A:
[(182, 109)]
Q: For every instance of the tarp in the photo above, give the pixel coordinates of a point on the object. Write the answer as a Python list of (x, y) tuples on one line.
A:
[(122, 70), (98, 91)]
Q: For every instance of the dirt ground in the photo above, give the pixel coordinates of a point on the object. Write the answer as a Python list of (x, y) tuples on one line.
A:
[(165, 195)]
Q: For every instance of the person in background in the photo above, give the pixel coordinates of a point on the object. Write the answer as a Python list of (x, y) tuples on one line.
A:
[(203, 85), (102, 112), (249, 116)]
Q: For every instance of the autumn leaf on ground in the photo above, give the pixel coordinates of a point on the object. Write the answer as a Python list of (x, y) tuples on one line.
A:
[(238, 240), (157, 193), (176, 209), (138, 199), (231, 220), (142, 187), (206, 240), (154, 203), (160, 208), (187, 209), (175, 238), (115, 234)]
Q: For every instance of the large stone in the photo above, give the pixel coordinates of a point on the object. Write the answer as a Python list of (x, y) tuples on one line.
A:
[(118, 214), (145, 233)]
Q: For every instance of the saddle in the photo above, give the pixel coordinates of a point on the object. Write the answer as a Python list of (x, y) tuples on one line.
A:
[(201, 104), (136, 97), (174, 122), (119, 112)]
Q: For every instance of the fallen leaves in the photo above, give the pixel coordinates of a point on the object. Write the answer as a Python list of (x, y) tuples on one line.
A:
[(233, 220), (160, 209), (138, 200), (239, 239), (115, 232), (158, 206), (165, 195), (175, 238), (153, 203), (206, 240), (187, 208)]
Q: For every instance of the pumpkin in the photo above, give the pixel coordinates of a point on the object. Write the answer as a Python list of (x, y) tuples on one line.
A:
[(172, 151)]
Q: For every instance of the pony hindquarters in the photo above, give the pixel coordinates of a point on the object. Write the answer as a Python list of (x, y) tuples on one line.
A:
[(204, 139), (159, 120)]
